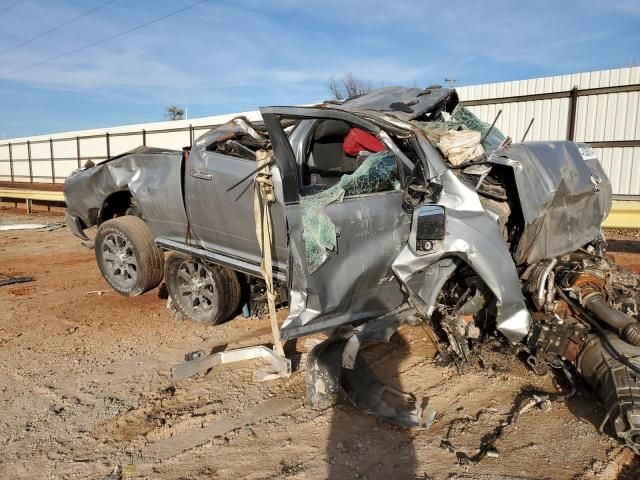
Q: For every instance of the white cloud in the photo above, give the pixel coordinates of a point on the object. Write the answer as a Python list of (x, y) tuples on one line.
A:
[(252, 52)]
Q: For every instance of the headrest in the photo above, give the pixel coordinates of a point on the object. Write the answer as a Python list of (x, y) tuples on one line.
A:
[(331, 130)]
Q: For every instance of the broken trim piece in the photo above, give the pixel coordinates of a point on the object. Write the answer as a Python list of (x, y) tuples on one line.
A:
[(335, 370), (200, 365), (12, 280)]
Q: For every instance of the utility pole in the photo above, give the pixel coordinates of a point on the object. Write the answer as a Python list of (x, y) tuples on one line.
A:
[(452, 82)]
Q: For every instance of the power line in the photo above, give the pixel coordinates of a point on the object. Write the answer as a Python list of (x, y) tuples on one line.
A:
[(58, 27), (10, 6), (104, 40)]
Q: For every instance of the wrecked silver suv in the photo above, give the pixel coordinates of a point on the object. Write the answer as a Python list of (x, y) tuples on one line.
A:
[(396, 206)]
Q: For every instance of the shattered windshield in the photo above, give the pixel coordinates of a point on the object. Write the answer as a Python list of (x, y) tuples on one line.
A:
[(378, 173)]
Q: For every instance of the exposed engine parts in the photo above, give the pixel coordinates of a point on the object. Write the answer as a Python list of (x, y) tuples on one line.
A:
[(617, 385), (626, 327), (553, 340), (588, 318), (585, 317)]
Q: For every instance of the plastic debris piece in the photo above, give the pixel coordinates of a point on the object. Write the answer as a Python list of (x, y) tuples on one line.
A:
[(191, 356), (47, 227), (12, 280)]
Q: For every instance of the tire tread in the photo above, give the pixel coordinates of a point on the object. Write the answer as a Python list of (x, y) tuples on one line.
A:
[(151, 258)]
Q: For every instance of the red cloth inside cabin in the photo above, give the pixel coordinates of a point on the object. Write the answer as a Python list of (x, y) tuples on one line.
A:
[(358, 140)]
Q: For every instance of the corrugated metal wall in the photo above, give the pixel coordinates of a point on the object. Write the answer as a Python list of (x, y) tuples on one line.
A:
[(51, 158), (612, 119)]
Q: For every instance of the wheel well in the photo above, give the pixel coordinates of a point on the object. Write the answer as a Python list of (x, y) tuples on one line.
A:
[(115, 205), (463, 281)]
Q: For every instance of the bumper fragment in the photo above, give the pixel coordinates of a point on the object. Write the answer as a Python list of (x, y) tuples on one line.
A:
[(76, 226)]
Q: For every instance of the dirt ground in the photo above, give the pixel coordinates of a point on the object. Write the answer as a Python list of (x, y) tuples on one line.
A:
[(85, 392)]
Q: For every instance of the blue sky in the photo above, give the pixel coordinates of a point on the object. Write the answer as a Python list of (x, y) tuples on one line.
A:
[(229, 56)]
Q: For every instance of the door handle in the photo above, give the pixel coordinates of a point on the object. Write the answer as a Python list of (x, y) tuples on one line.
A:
[(201, 174)]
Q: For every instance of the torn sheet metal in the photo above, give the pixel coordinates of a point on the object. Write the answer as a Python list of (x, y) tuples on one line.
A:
[(564, 197)]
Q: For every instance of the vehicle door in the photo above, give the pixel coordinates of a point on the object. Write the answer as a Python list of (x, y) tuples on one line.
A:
[(341, 245), (222, 219)]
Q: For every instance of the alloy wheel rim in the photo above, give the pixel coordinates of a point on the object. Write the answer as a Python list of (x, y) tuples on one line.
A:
[(119, 259), (196, 286)]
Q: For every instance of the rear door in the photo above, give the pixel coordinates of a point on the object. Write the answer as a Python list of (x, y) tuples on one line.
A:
[(222, 219), (353, 280)]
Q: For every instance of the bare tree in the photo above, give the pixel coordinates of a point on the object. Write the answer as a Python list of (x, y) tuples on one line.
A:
[(174, 113), (348, 86)]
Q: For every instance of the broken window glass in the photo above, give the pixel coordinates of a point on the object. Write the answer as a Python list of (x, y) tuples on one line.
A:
[(378, 173)]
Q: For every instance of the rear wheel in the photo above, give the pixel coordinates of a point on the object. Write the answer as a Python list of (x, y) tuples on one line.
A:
[(200, 291), (127, 255)]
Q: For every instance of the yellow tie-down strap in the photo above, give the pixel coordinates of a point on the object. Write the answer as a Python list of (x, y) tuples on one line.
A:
[(263, 196)]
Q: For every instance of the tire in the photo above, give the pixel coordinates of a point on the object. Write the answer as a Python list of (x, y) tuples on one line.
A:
[(235, 292), (127, 256), (200, 291)]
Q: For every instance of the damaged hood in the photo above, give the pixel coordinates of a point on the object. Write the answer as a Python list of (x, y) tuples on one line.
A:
[(404, 103), (564, 195)]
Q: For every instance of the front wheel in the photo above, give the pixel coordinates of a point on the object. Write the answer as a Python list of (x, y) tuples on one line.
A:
[(128, 257), (201, 291)]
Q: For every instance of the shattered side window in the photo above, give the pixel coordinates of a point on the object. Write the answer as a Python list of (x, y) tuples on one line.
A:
[(378, 173), (463, 116)]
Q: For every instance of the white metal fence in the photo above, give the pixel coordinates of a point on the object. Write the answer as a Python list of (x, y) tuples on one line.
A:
[(51, 158), (601, 108)]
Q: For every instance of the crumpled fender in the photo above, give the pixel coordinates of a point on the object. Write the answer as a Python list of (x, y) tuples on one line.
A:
[(472, 234)]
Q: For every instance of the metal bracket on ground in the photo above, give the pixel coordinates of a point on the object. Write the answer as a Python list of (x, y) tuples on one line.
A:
[(281, 365)]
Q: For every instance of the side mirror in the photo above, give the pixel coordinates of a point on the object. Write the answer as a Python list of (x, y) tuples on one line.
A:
[(430, 224)]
